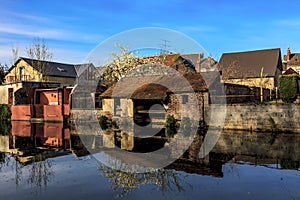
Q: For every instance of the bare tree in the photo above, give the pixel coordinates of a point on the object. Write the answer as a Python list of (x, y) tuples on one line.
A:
[(15, 53), (39, 52), (15, 56), (3, 70), (125, 182)]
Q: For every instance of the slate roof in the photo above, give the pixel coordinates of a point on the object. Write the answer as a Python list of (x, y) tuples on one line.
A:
[(53, 68), (248, 64), (155, 86)]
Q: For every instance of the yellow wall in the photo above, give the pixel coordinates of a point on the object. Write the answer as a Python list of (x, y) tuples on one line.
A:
[(33, 75), (61, 80), (30, 73), (4, 91), (126, 106), (130, 108), (267, 82), (108, 105)]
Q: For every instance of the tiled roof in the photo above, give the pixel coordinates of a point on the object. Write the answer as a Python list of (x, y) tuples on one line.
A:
[(155, 86), (248, 64), (294, 59)]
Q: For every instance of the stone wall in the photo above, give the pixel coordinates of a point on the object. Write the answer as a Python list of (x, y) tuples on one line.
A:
[(255, 117), (266, 145), (187, 104)]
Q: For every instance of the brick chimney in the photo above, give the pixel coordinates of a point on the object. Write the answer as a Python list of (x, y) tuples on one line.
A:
[(209, 62), (198, 64), (288, 54)]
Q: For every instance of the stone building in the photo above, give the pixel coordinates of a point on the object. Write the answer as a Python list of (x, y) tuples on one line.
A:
[(139, 97)]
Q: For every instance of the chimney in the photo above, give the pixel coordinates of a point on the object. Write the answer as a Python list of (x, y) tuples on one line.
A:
[(209, 62), (288, 54), (198, 65)]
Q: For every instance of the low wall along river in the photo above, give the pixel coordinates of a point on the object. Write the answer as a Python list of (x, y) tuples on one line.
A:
[(259, 117)]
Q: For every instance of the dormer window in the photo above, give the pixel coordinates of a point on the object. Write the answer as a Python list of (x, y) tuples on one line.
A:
[(60, 69)]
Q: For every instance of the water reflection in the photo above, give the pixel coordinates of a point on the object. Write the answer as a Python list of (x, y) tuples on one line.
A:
[(124, 182), (28, 147), (273, 151), (30, 150)]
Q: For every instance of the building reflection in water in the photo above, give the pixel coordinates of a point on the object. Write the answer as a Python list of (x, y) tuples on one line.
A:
[(31, 140), (31, 144), (271, 150)]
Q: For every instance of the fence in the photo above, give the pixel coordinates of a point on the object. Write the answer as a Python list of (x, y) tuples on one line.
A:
[(255, 98)]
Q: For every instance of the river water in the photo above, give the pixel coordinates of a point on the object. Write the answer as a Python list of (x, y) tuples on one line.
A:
[(49, 161)]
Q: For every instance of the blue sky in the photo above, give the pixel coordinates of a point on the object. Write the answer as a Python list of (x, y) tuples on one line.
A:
[(72, 29)]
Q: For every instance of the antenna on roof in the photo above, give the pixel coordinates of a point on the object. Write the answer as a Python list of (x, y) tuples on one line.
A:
[(164, 46)]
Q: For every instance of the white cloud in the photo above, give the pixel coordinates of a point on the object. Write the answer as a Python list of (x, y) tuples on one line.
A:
[(200, 28), (30, 31), (288, 22), (49, 33)]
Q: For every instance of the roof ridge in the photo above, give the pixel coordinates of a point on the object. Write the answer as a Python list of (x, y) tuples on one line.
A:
[(251, 51), (54, 62)]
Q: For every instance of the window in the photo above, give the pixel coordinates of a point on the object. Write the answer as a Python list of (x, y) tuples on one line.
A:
[(117, 106), (22, 74), (185, 99), (61, 69)]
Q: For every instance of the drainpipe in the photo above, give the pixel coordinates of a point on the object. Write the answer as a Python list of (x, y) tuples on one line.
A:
[(203, 108), (62, 105)]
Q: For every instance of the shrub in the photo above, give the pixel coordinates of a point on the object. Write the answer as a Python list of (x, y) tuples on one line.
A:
[(107, 123), (103, 120), (170, 121), (170, 126), (288, 88), (4, 112), (5, 128)]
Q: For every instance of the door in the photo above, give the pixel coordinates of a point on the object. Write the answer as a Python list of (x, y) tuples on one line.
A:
[(10, 95)]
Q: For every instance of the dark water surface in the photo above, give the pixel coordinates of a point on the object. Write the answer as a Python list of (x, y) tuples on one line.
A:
[(47, 161)]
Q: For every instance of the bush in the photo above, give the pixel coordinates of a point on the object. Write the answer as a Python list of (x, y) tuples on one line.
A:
[(170, 126), (107, 123), (170, 121), (103, 120), (5, 128), (288, 88), (4, 112)]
